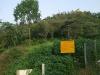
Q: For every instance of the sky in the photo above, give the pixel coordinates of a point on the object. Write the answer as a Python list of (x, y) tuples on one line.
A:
[(49, 7)]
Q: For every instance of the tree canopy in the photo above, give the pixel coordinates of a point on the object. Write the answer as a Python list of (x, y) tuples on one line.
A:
[(81, 24), (27, 12)]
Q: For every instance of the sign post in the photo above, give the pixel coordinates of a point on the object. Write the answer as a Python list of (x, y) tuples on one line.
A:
[(67, 46)]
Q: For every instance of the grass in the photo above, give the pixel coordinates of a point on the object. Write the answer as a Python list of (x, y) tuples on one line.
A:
[(16, 53), (32, 56), (38, 54)]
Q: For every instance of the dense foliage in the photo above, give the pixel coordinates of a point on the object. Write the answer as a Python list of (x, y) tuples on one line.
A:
[(55, 64), (27, 12), (79, 24), (76, 24), (32, 41)]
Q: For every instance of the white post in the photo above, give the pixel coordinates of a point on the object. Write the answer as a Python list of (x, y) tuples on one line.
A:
[(24, 72), (43, 69)]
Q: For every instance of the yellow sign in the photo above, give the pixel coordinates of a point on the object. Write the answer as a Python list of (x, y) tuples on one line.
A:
[(67, 46)]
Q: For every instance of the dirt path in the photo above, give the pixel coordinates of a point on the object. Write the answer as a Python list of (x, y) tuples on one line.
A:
[(3, 62)]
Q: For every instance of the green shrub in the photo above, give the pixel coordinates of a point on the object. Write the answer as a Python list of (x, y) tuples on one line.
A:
[(56, 47), (79, 54), (90, 52), (55, 65), (1, 50)]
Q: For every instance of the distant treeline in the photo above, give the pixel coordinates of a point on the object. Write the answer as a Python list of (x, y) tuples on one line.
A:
[(78, 23)]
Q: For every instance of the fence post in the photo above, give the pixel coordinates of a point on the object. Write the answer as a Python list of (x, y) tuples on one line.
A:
[(43, 69), (85, 55), (95, 50)]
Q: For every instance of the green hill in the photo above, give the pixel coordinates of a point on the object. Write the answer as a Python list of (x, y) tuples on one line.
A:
[(36, 56), (31, 57)]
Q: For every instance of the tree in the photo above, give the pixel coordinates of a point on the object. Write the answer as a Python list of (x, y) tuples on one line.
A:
[(8, 36), (27, 12)]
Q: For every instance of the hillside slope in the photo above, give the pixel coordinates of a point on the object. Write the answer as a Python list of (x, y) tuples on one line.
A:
[(36, 55), (31, 57)]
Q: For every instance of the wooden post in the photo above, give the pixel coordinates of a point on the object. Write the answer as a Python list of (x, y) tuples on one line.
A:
[(95, 50), (43, 69), (68, 32), (85, 55), (29, 36)]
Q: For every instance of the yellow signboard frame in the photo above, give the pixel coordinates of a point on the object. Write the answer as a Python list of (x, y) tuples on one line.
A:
[(67, 46)]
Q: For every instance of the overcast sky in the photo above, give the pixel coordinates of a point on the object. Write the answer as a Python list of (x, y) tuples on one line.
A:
[(49, 7)]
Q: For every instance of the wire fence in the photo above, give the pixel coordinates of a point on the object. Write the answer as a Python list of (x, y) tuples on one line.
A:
[(89, 65)]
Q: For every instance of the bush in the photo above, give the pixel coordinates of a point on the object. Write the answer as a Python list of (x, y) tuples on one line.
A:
[(55, 65), (79, 54), (56, 47), (1, 50)]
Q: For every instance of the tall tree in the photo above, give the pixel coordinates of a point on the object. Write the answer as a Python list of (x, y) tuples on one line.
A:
[(27, 12)]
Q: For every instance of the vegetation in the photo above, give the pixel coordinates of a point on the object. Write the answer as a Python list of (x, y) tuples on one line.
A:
[(81, 24), (31, 57), (27, 12), (43, 54), (32, 41)]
